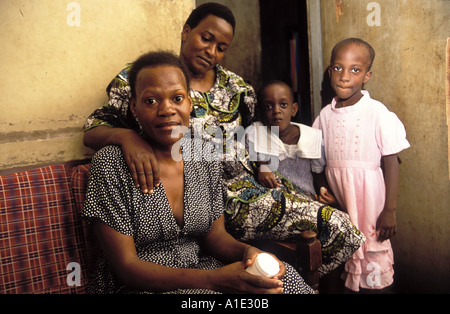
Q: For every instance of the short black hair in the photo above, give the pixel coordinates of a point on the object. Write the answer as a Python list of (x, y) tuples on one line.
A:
[(356, 41), (210, 8), (153, 59), (270, 83)]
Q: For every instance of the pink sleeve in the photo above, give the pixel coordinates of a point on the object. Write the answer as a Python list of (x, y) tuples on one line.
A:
[(316, 123), (391, 134)]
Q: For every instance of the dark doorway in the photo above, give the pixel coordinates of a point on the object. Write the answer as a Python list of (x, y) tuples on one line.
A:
[(285, 52)]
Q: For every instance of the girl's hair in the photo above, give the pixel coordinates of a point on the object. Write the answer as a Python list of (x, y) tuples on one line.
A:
[(356, 41), (210, 8), (153, 59)]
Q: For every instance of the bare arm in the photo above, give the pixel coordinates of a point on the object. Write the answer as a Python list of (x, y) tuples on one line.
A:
[(138, 153), (142, 275), (221, 245), (387, 221)]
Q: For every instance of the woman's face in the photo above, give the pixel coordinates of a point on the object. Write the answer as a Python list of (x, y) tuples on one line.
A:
[(162, 104), (205, 45)]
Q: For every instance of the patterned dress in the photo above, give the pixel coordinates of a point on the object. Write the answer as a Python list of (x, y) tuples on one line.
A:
[(113, 199), (283, 213), (218, 117), (228, 104)]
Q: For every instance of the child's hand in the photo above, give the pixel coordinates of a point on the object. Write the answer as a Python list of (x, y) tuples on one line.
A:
[(386, 225), (326, 197), (266, 178)]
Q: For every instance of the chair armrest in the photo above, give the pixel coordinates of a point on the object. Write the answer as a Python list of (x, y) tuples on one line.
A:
[(309, 258)]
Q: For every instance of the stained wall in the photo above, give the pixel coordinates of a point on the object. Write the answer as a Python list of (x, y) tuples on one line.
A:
[(409, 76), (57, 57), (55, 74)]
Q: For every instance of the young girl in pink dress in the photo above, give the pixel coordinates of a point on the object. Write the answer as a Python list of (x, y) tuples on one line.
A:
[(360, 134)]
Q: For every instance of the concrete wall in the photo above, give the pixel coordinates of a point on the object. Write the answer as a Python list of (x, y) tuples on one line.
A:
[(55, 74), (409, 76), (57, 59)]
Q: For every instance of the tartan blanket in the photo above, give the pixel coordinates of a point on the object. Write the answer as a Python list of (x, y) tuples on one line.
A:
[(44, 243)]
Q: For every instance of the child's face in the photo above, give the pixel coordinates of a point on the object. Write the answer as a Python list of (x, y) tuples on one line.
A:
[(277, 107), (162, 103), (349, 72)]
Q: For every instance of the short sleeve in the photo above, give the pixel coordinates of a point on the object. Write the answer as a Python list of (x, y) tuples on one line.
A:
[(219, 192), (391, 134), (216, 187), (318, 165), (115, 112), (108, 192), (250, 104), (316, 123)]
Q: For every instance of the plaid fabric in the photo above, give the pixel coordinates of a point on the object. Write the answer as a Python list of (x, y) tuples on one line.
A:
[(40, 233), (79, 181)]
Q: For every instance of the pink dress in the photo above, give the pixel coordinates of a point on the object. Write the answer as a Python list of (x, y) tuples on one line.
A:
[(355, 139)]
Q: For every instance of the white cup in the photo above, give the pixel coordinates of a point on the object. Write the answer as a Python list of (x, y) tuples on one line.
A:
[(264, 265)]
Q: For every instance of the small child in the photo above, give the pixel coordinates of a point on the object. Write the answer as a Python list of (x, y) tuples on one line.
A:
[(298, 148), (358, 133)]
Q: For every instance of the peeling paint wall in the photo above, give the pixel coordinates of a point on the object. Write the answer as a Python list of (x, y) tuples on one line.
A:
[(409, 76), (57, 59)]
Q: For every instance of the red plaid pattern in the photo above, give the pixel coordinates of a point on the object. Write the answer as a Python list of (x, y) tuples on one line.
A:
[(79, 180), (40, 232)]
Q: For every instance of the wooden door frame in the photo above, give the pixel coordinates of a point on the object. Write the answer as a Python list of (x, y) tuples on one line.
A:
[(315, 55)]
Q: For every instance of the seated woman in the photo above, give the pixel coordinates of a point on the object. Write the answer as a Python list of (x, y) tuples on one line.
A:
[(223, 102), (174, 239)]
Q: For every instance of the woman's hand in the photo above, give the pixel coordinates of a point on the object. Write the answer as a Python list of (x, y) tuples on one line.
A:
[(250, 255), (138, 154), (141, 162), (233, 278)]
